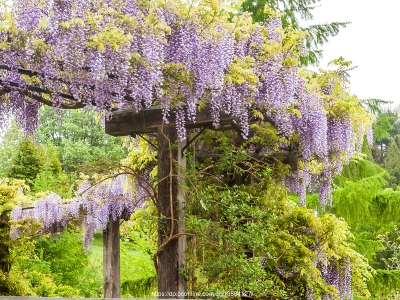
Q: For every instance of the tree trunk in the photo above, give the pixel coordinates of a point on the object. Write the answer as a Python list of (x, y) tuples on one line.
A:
[(111, 260), (168, 262)]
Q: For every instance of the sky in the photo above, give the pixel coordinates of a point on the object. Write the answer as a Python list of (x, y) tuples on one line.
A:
[(371, 42)]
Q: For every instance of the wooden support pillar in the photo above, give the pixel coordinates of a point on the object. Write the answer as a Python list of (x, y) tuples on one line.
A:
[(182, 241), (168, 213), (111, 260)]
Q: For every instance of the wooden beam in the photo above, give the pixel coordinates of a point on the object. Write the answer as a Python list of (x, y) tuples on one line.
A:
[(127, 122), (111, 260)]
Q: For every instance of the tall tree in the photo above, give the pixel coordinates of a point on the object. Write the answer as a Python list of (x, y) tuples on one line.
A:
[(26, 164), (392, 163), (372, 212), (386, 127), (292, 13), (79, 138), (51, 176), (9, 144)]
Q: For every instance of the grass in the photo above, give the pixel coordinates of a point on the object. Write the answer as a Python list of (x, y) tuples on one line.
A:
[(97, 246), (138, 275)]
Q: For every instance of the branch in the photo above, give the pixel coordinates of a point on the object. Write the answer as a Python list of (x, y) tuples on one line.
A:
[(76, 105), (161, 248), (36, 89), (33, 73)]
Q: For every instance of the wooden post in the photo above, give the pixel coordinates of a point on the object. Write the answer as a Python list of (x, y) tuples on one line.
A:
[(168, 263), (111, 257), (181, 225)]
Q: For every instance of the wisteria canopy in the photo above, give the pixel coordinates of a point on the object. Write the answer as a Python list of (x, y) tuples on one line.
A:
[(181, 56)]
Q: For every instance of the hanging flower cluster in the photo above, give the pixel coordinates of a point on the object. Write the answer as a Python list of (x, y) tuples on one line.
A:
[(94, 205)]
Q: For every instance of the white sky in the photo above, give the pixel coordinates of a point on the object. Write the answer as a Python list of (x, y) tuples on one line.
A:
[(371, 42)]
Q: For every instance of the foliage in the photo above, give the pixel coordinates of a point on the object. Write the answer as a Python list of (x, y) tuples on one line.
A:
[(8, 197), (375, 106), (135, 55), (357, 189), (11, 193), (391, 245), (138, 274), (33, 283), (385, 284), (26, 164), (385, 129), (373, 212), (9, 145), (51, 178), (141, 157), (392, 163), (142, 287), (361, 199), (234, 225), (78, 137), (291, 14), (14, 278), (64, 256), (366, 150)]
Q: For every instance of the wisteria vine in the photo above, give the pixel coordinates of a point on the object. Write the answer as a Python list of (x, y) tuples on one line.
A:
[(135, 54), (93, 206)]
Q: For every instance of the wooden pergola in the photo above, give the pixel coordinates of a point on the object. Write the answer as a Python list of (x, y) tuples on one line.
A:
[(171, 198)]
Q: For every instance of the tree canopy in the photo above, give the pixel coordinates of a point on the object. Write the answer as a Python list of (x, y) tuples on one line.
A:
[(26, 164), (79, 138)]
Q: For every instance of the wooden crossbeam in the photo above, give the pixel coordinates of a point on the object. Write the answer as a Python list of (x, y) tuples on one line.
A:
[(127, 122)]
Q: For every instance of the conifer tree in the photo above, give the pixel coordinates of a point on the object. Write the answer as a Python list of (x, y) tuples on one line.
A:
[(392, 162), (51, 177), (366, 149), (26, 164), (386, 127)]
